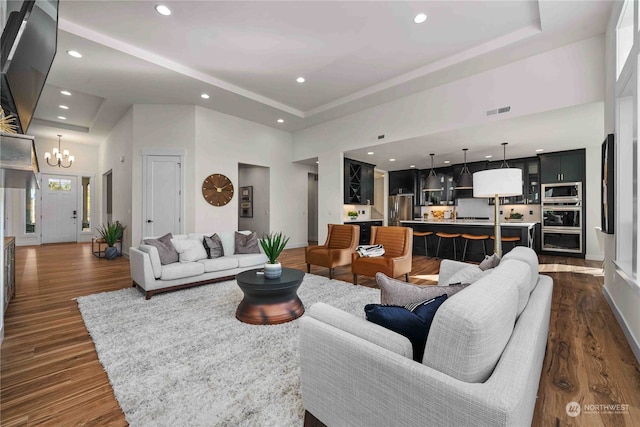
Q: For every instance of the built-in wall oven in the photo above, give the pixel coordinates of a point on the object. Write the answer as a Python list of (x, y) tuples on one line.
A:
[(562, 217)]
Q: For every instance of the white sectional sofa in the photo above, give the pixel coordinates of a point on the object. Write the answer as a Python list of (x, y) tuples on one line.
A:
[(481, 364), (152, 277)]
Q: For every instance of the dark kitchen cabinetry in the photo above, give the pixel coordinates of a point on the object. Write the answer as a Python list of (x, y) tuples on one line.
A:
[(358, 182), (565, 166), (365, 230), (403, 182)]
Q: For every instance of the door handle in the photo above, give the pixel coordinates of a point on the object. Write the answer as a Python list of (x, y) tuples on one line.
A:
[(149, 220)]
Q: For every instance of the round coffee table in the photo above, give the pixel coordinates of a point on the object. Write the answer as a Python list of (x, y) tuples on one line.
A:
[(269, 301)]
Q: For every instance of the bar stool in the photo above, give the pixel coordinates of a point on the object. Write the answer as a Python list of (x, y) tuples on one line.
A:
[(424, 234), (508, 239), (474, 237), (452, 236)]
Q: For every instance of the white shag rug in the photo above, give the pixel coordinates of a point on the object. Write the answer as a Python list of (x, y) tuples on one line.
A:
[(183, 359)]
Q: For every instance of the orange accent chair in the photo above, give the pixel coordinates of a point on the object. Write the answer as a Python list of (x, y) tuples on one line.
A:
[(342, 241), (396, 261)]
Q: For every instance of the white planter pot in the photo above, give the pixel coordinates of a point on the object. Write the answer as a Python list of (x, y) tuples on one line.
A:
[(272, 271)]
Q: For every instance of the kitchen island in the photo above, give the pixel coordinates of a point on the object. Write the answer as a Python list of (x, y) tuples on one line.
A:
[(527, 231)]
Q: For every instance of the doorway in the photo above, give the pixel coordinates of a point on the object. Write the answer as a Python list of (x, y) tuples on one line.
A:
[(59, 208), (312, 209), (254, 198)]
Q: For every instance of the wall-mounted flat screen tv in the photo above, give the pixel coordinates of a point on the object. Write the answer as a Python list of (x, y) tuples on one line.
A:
[(29, 43)]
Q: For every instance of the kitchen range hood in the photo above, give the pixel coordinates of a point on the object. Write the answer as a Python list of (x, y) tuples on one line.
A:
[(18, 161)]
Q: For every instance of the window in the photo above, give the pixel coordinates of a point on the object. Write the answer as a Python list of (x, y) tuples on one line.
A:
[(624, 36), (59, 184), (30, 211), (86, 203)]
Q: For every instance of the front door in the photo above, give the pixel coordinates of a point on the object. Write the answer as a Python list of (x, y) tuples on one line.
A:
[(59, 208), (163, 198)]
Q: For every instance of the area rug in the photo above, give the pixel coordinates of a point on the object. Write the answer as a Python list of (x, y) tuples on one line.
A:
[(182, 358)]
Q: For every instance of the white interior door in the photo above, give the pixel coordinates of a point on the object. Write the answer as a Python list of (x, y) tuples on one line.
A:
[(59, 208), (163, 198)]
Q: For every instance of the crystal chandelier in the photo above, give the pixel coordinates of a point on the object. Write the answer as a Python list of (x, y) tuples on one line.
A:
[(60, 156)]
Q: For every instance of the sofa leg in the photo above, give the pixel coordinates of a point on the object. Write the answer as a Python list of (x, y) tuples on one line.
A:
[(308, 268), (406, 276), (355, 279), (148, 295), (133, 284), (331, 273)]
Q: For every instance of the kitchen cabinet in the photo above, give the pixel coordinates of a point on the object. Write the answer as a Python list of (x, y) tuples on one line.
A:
[(9, 285), (403, 182), (365, 229), (358, 182), (564, 166)]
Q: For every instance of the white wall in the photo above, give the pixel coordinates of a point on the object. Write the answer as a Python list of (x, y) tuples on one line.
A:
[(593, 194), (567, 76), (258, 178)]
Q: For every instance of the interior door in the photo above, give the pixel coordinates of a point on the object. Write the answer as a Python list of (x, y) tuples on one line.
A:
[(163, 198), (59, 208)]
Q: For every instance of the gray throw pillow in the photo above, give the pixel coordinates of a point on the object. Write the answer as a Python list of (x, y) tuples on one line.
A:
[(247, 243), (489, 262), (396, 292), (166, 250), (213, 246)]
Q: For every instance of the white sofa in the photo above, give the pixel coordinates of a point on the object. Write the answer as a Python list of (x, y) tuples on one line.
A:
[(152, 277), (481, 365)]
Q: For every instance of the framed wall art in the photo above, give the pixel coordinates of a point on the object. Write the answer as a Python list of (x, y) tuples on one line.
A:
[(246, 202)]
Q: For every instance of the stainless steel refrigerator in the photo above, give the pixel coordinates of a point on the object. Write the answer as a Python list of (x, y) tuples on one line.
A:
[(400, 208)]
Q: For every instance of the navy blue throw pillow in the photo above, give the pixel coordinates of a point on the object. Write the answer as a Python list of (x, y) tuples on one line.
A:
[(413, 324)]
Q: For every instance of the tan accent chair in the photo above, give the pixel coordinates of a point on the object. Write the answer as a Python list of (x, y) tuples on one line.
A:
[(342, 241), (396, 261)]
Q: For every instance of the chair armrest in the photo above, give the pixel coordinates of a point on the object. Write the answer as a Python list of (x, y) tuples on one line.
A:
[(141, 270), (448, 268)]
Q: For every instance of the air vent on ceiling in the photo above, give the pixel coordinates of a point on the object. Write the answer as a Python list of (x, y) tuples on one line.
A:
[(500, 110)]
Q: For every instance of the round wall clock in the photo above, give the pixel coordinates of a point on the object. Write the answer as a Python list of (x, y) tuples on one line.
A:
[(217, 189)]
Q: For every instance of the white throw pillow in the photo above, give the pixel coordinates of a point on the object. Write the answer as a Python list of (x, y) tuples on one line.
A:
[(464, 276), (189, 250)]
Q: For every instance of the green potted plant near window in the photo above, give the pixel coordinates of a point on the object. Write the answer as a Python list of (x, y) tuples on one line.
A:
[(353, 215), (111, 233), (273, 244)]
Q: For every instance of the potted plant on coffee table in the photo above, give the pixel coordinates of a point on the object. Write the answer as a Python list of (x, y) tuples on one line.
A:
[(273, 244), (111, 233)]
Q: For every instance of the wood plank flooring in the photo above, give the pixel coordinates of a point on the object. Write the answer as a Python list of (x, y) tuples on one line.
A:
[(50, 374)]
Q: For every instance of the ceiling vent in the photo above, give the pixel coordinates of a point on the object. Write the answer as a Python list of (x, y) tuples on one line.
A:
[(500, 110)]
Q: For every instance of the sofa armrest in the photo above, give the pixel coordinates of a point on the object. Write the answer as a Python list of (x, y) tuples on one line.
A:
[(448, 268), (362, 328), (141, 270)]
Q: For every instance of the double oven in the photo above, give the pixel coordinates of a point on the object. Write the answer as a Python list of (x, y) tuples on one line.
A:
[(562, 217)]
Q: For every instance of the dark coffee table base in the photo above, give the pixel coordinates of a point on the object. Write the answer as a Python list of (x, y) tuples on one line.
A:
[(269, 314)]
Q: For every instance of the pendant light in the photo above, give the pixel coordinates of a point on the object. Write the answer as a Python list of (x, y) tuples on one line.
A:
[(504, 156), (433, 183), (465, 180)]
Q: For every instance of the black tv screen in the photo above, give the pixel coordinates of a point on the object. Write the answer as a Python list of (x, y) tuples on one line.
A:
[(28, 57)]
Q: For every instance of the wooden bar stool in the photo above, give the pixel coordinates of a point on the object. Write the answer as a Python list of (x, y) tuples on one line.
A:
[(508, 239), (474, 237), (452, 236), (424, 234)]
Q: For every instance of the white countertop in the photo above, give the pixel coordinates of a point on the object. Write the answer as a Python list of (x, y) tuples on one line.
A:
[(471, 222), (347, 221)]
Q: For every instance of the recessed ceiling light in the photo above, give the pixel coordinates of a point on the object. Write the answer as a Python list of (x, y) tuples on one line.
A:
[(204, 96), (392, 160), (420, 18), (280, 120), (74, 53), (300, 79), (370, 153), (446, 162), (62, 118), (539, 150), (163, 10), (412, 166), (65, 92), (64, 107), (488, 157), (317, 162)]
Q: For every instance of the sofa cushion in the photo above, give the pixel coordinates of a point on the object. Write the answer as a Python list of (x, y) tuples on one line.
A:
[(213, 246), (190, 249), (246, 243), (179, 270), (519, 273), (219, 264), (154, 257), (396, 292), (166, 250), (413, 324), (465, 276), (470, 331), (528, 255), (249, 260)]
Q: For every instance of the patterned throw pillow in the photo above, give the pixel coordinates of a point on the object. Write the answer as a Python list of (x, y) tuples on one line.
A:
[(213, 246), (166, 251), (396, 292), (247, 243)]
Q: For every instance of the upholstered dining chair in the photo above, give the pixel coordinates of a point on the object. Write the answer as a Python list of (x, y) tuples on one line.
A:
[(396, 261), (342, 241)]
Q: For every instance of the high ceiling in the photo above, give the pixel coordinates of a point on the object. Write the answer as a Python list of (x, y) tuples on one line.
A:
[(247, 55)]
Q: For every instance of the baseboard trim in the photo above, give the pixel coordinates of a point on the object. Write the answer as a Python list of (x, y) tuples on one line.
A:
[(635, 346), (594, 257), (2, 333), (297, 245)]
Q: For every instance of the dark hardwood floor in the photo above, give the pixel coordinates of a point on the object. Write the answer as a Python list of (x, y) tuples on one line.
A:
[(50, 374)]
